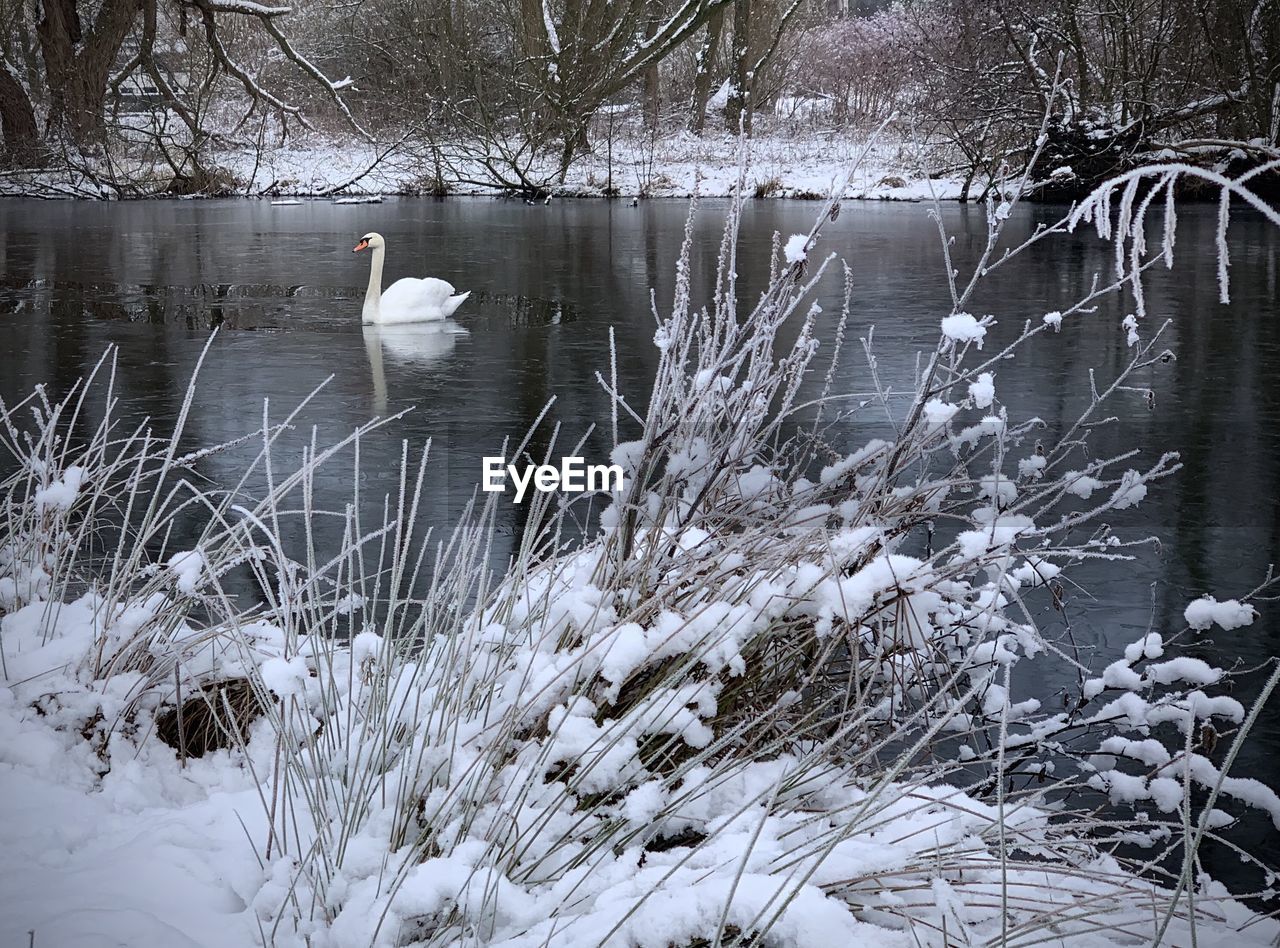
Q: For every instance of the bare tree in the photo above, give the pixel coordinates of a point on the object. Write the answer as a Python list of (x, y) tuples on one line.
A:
[(855, 66), (1140, 75), (587, 51), (758, 29), (18, 123), (704, 66), (86, 52)]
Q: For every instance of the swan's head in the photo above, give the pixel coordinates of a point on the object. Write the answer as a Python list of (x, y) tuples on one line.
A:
[(369, 240)]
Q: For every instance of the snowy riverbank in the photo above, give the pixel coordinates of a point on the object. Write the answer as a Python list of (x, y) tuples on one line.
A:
[(110, 838), (804, 165)]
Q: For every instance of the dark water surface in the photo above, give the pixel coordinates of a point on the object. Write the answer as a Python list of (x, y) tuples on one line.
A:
[(550, 281)]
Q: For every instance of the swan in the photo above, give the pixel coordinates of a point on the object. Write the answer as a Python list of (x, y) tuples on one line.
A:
[(406, 301)]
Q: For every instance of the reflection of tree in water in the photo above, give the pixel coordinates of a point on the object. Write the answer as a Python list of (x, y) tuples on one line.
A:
[(242, 305), (200, 306), (527, 310)]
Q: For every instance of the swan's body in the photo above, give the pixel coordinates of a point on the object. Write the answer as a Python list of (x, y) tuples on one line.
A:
[(410, 300)]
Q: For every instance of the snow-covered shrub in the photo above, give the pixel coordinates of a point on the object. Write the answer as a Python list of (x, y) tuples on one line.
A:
[(771, 701)]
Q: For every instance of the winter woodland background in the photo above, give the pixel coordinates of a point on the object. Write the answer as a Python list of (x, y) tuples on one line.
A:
[(136, 97)]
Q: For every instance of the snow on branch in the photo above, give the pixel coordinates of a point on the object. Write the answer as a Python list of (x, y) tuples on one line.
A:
[(1204, 106), (310, 69), (267, 17), (256, 92), (247, 8), (553, 38), (679, 26)]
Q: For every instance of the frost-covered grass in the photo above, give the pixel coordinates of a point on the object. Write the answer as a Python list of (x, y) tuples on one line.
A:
[(771, 700)]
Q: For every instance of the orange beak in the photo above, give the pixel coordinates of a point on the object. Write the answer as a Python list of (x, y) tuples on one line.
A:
[(360, 246)]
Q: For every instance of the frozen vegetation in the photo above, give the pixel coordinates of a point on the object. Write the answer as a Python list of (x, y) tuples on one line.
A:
[(770, 701)]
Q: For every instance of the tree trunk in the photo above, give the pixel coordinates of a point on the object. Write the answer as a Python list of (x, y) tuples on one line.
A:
[(18, 123), (737, 111), (575, 143), (652, 100), (706, 63), (78, 78), (59, 31)]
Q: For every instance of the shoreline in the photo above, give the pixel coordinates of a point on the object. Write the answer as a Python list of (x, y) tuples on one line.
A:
[(296, 200), (796, 167)]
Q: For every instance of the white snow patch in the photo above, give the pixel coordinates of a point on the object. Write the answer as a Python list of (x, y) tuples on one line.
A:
[(999, 533), (1130, 325), (1150, 645), (1231, 614), (938, 412), (1036, 572), (796, 248), (188, 569), (61, 494), (1032, 467), (1081, 485), (285, 677), (1130, 492), (964, 327), (983, 390)]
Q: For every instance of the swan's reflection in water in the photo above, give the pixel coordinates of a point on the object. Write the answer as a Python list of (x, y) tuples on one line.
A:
[(420, 344)]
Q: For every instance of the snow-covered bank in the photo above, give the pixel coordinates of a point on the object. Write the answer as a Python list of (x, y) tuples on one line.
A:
[(771, 700), (671, 165), (148, 853), (115, 841), (795, 165)]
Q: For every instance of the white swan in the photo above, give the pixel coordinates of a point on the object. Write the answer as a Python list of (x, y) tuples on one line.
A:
[(406, 301)]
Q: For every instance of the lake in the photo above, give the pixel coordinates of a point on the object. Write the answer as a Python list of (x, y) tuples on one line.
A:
[(550, 282)]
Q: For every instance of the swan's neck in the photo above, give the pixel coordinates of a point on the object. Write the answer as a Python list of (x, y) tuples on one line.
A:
[(373, 295)]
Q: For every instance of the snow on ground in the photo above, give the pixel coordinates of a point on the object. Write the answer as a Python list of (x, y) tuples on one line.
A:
[(634, 745), (110, 841), (789, 164), (779, 166), (671, 166), (125, 865), (464, 748), (117, 844)]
